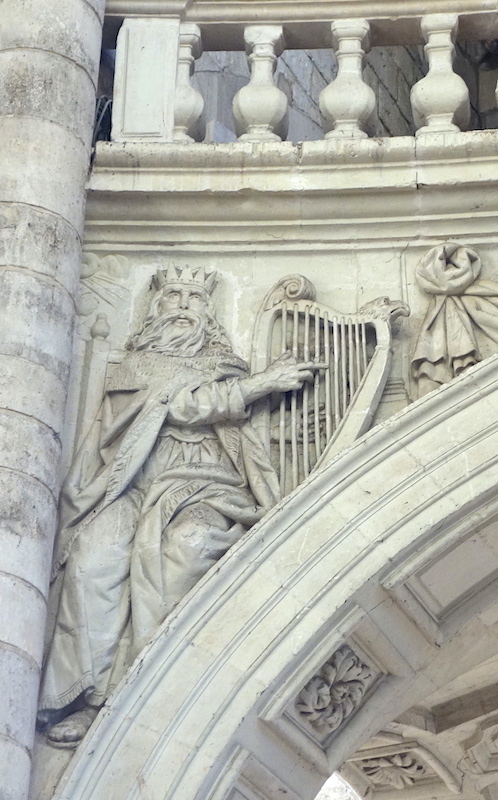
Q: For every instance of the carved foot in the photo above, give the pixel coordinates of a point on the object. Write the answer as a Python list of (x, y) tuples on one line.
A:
[(69, 733)]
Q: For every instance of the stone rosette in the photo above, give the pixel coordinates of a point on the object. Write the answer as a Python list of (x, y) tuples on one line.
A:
[(335, 692)]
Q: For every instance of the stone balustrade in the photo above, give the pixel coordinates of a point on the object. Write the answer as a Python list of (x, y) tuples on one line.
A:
[(155, 100)]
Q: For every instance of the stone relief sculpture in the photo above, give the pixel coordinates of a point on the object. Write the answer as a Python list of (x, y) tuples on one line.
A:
[(460, 304), (331, 696), (481, 749), (391, 761), (169, 476), (102, 283), (170, 472), (351, 354), (398, 771)]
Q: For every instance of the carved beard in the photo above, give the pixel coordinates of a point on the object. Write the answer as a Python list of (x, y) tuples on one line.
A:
[(163, 335)]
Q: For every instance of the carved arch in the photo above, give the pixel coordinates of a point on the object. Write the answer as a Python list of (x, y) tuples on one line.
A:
[(334, 554)]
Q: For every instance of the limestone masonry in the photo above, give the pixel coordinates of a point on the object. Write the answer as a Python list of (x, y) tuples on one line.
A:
[(249, 407)]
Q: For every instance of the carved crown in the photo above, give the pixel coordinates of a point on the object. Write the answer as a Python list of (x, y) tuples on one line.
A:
[(185, 275)]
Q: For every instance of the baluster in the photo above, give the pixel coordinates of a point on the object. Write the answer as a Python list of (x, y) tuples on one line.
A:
[(260, 107), (440, 101), (348, 103), (189, 103)]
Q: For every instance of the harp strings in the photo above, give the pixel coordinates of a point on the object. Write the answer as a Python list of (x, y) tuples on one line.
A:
[(309, 417)]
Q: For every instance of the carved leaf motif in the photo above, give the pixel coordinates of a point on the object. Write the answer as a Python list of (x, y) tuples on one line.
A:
[(338, 689), (399, 770)]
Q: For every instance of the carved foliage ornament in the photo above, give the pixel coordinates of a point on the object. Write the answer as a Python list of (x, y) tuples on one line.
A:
[(332, 695), (399, 770)]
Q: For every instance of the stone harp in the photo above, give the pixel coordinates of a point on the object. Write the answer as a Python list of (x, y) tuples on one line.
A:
[(305, 428)]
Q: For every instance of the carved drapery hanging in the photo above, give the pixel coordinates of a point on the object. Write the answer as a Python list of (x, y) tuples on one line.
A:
[(460, 304), (331, 696)]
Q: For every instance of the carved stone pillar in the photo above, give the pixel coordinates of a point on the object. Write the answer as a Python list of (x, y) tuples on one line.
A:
[(189, 102), (49, 57), (145, 79), (348, 103), (440, 101), (260, 108)]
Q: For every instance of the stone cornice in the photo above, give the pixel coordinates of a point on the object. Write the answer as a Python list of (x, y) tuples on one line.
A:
[(233, 193), (305, 22)]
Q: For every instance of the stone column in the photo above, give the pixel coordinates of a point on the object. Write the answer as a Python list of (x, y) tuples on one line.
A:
[(49, 56)]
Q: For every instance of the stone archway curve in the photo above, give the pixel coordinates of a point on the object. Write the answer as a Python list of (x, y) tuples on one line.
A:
[(375, 514)]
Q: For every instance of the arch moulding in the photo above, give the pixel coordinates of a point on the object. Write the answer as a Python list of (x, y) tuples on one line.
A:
[(332, 559)]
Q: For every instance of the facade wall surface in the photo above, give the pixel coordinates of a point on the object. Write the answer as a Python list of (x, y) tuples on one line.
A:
[(48, 65), (354, 626)]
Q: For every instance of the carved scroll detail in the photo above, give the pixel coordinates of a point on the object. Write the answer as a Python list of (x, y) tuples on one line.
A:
[(292, 287), (332, 695)]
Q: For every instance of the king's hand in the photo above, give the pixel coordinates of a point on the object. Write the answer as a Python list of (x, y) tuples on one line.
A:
[(283, 375)]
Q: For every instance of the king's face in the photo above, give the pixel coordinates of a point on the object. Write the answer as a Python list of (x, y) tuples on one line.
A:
[(180, 298)]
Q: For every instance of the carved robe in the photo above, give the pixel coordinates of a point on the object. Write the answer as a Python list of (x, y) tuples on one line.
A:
[(169, 477)]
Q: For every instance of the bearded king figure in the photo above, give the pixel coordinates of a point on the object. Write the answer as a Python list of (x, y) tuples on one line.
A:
[(170, 475)]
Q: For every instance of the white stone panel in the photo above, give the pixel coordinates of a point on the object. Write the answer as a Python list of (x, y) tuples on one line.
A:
[(145, 80)]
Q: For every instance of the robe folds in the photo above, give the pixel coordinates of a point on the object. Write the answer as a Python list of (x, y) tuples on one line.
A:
[(170, 475)]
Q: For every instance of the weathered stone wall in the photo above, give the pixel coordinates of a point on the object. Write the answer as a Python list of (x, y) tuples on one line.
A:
[(49, 56)]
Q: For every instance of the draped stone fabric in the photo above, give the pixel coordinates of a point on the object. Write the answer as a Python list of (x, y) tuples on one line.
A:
[(459, 304), (159, 491)]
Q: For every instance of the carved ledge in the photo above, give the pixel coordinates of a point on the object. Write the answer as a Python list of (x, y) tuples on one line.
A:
[(396, 22)]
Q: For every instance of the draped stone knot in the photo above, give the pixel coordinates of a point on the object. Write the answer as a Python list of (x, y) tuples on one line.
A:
[(448, 269), (447, 343)]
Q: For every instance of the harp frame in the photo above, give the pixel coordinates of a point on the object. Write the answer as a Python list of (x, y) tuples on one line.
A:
[(294, 297)]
